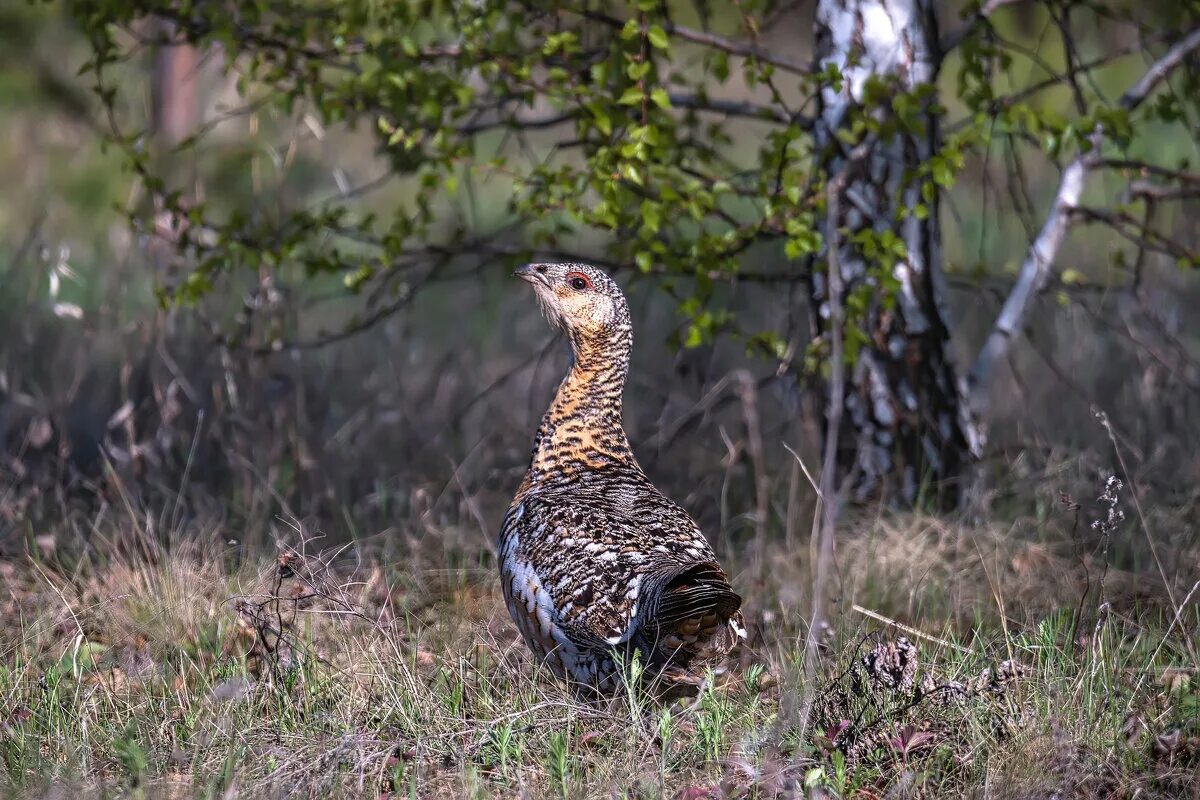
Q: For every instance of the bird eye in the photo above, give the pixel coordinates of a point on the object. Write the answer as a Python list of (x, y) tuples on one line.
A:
[(579, 281)]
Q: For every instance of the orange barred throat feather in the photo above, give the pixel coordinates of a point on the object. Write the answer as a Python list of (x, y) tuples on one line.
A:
[(596, 564)]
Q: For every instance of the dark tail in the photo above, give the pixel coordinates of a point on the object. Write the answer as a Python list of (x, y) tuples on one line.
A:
[(693, 622)]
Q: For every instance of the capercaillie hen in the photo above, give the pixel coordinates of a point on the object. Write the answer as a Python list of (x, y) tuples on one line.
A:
[(596, 564)]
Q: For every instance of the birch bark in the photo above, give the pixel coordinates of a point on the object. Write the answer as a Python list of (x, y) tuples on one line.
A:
[(905, 427)]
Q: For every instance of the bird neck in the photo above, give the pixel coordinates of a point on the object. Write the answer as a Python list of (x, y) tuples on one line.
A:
[(582, 430)]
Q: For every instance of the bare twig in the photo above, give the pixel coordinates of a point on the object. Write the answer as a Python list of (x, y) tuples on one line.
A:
[(710, 40), (875, 615), (828, 502), (956, 37)]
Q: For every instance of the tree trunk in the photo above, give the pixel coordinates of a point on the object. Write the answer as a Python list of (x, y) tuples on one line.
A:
[(175, 103), (905, 433)]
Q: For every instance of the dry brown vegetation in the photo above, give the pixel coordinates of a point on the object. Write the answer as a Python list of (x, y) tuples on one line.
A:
[(961, 660)]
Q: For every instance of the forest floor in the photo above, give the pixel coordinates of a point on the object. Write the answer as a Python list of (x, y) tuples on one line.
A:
[(979, 660)]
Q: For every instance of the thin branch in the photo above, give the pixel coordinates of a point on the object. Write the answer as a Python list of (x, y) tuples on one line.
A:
[(1146, 168), (1160, 70), (734, 108), (1056, 79), (959, 35), (1132, 230), (711, 40), (737, 48), (516, 122)]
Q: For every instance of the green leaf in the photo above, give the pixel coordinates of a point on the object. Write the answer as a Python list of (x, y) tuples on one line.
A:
[(354, 280), (658, 37), (720, 66), (632, 96), (651, 218), (602, 119), (637, 69)]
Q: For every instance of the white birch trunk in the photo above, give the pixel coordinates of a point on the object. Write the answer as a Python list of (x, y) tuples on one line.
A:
[(904, 424)]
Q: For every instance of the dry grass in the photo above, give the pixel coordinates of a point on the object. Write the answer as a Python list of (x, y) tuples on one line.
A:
[(181, 665)]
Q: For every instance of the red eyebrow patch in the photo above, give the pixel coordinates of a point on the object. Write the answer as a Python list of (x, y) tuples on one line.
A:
[(571, 276)]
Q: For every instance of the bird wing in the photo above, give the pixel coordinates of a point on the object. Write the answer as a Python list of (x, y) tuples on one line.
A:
[(636, 572), (585, 566)]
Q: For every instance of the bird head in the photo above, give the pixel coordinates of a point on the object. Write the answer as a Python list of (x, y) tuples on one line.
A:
[(579, 298)]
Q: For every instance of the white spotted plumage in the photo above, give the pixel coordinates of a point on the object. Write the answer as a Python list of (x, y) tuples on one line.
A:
[(596, 563)]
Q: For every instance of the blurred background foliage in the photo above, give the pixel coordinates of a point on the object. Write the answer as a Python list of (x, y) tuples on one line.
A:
[(311, 193)]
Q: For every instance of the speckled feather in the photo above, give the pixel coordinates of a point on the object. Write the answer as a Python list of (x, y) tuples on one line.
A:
[(595, 561)]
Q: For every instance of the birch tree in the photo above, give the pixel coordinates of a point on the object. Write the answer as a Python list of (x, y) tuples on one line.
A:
[(906, 415)]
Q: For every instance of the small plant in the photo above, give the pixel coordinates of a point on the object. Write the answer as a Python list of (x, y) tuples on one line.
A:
[(558, 762), (712, 720), (132, 755), (503, 746)]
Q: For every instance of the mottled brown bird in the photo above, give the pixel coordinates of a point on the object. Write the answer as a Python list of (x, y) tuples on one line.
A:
[(596, 563)]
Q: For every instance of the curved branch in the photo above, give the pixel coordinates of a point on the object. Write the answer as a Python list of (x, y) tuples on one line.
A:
[(1032, 277), (1035, 270), (1160, 70)]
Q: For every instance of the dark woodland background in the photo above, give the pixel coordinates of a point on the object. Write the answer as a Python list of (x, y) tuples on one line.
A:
[(428, 412)]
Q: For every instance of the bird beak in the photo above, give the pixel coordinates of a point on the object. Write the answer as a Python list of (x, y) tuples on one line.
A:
[(529, 272)]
